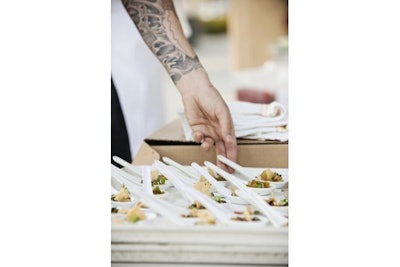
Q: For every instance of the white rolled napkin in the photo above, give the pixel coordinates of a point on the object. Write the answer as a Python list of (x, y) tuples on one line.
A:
[(258, 132), (283, 136), (273, 111), (253, 121)]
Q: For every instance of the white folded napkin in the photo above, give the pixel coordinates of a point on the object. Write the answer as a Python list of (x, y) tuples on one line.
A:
[(271, 112), (256, 133), (253, 121)]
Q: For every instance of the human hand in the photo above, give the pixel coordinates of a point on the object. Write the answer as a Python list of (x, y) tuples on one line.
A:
[(209, 118)]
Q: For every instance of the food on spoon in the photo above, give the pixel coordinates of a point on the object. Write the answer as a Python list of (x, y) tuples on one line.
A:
[(246, 216), (123, 195), (157, 190), (256, 183), (218, 198), (135, 214), (274, 202), (157, 178), (204, 216), (215, 175), (196, 205), (269, 175), (203, 186), (126, 210), (283, 202)]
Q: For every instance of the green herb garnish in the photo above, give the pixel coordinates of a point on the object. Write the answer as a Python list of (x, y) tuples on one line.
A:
[(284, 202), (134, 219)]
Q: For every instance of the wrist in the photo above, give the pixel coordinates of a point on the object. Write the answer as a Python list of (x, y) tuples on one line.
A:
[(193, 81)]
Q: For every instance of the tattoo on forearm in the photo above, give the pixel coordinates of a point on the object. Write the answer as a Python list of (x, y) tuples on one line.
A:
[(155, 20)]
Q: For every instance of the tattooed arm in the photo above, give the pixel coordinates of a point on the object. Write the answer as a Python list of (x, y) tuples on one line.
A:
[(205, 109)]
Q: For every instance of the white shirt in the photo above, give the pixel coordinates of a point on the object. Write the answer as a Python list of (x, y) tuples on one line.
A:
[(138, 78)]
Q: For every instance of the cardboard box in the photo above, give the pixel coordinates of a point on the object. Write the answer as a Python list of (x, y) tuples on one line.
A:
[(170, 142)]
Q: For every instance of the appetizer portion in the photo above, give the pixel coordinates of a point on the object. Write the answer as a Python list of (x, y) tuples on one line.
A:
[(205, 217), (256, 183), (215, 175), (157, 178), (218, 198), (135, 214), (157, 190), (272, 201), (203, 186), (131, 215), (246, 216), (200, 212), (269, 175), (123, 195), (196, 205)]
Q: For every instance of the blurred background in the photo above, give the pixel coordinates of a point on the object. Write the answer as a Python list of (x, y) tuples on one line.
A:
[(243, 45)]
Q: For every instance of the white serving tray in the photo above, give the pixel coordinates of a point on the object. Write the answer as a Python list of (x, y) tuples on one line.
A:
[(159, 242)]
